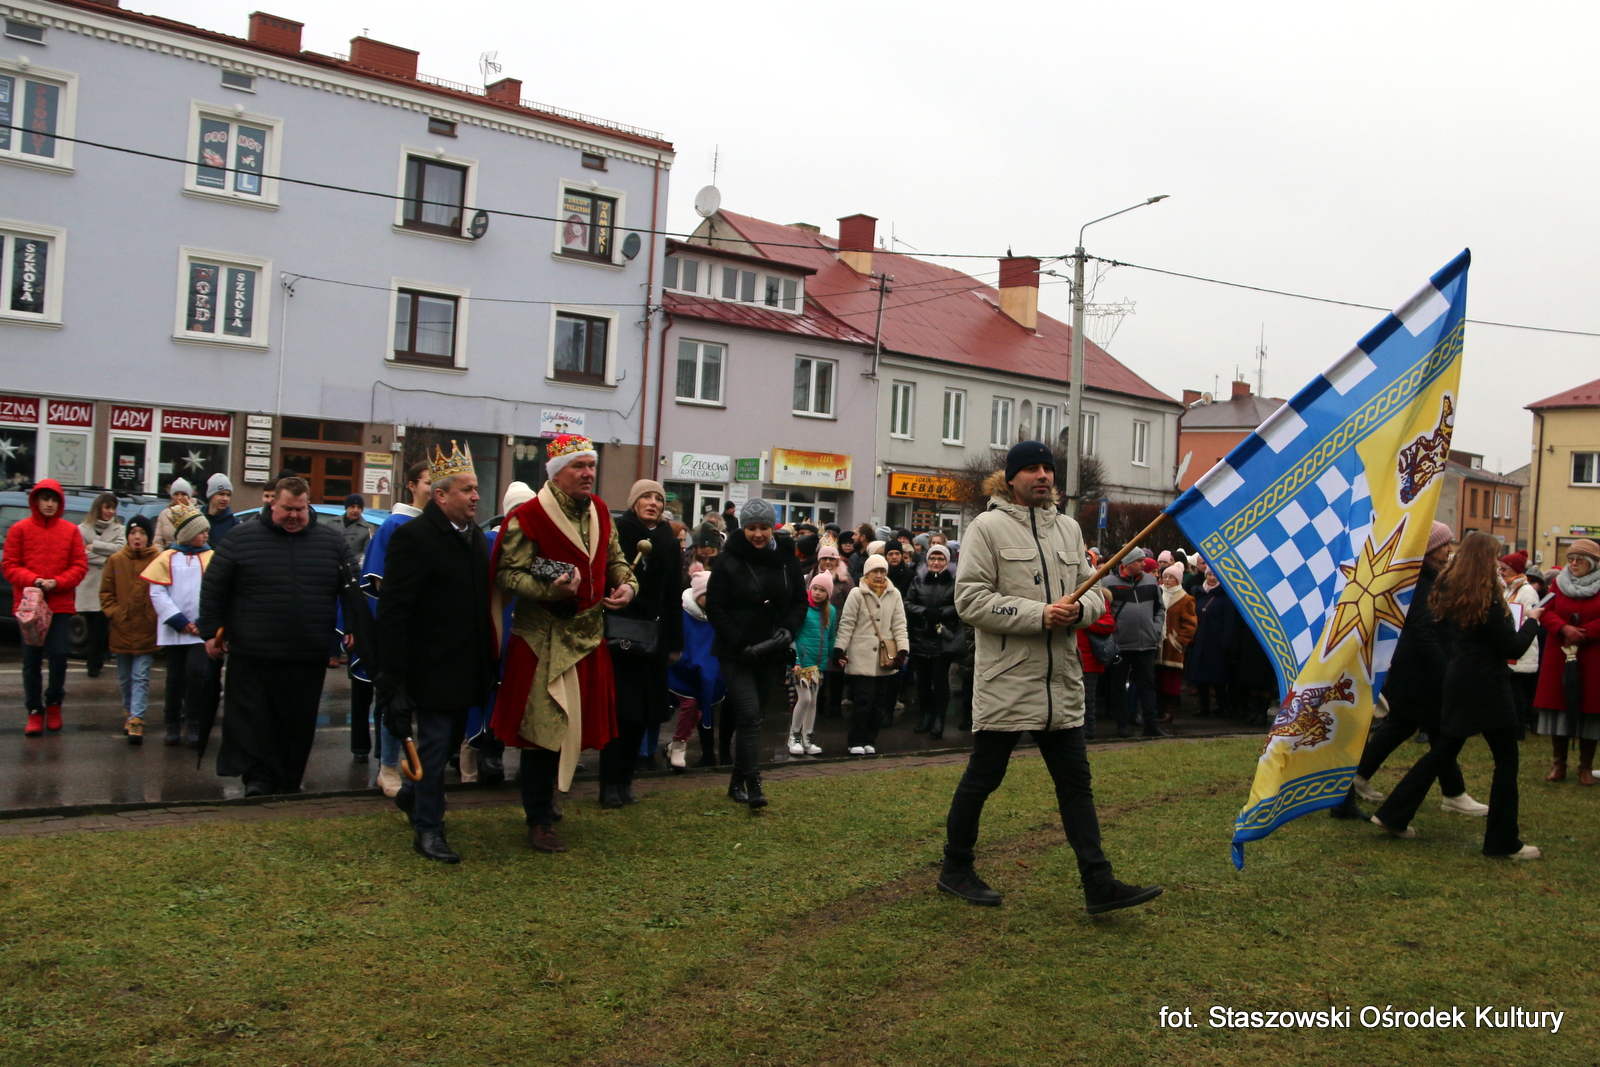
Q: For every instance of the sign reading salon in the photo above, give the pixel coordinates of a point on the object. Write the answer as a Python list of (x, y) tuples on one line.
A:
[(700, 467)]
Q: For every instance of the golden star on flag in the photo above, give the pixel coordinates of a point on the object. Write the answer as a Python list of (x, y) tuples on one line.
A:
[(1372, 584)]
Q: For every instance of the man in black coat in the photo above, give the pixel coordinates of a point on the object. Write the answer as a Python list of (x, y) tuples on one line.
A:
[(268, 601), (435, 640), (641, 677)]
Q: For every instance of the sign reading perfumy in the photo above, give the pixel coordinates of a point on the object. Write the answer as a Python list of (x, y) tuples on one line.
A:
[(700, 467), (196, 423)]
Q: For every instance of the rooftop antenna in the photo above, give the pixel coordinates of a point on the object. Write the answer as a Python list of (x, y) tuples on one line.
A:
[(716, 160), (487, 63), (1261, 363)]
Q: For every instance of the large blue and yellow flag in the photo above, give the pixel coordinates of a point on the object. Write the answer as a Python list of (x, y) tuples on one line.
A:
[(1316, 525)]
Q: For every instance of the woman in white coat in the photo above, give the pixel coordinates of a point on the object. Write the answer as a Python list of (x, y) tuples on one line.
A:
[(1524, 671), (103, 537), (872, 628), (193, 679)]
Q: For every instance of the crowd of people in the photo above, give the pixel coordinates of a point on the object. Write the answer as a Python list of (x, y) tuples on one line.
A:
[(565, 626)]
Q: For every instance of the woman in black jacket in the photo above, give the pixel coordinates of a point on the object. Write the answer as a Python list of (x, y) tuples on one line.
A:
[(1480, 637), (1208, 661), (755, 602), (936, 638), (641, 677)]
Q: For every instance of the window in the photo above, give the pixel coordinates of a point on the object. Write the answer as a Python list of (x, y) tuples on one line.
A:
[(1473, 505), (1585, 468), (901, 395), (581, 348), (955, 416), (233, 79), (1000, 422), (594, 161), (441, 127), (682, 274), (1089, 434), (791, 294), (347, 433), (234, 156), (1141, 443), (747, 286), (700, 371), (31, 260), (24, 31), (820, 506), (425, 328), (41, 103), (813, 386), (222, 299), (588, 222), (1048, 417), (435, 196)]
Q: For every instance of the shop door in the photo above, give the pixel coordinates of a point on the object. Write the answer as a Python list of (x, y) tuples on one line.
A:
[(127, 465), (708, 498), (332, 474)]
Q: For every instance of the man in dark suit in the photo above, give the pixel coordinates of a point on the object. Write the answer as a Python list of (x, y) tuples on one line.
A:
[(435, 641)]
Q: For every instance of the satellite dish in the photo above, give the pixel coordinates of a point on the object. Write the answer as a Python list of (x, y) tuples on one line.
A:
[(630, 246), (707, 201)]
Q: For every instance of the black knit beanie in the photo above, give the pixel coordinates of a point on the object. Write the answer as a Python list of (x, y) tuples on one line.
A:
[(1026, 454)]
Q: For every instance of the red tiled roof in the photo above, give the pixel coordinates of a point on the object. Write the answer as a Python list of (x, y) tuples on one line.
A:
[(939, 313), (813, 322), (604, 127), (1584, 396)]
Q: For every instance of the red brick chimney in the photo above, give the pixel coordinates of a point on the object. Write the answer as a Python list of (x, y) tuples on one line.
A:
[(1240, 389), (1191, 397), (274, 32), (1019, 290), (385, 58), (506, 90), (855, 242)]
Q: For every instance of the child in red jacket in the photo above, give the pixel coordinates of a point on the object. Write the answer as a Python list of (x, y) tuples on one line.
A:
[(1104, 626), (45, 551)]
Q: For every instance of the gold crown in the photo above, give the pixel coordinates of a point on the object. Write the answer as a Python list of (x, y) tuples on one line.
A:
[(458, 462)]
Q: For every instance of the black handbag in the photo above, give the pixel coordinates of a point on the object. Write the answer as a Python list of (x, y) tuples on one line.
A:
[(638, 637), (1104, 647)]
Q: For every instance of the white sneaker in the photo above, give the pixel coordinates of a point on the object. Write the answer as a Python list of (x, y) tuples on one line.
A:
[(811, 749), (1464, 805), (678, 753), (1365, 791), (858, 750), (869, 750), (388, 779), (1526, 852), (796, 747), (1408, 833)]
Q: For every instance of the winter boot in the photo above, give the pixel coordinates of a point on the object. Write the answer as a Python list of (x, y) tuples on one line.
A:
[(1558, 765), (678, 755), (35, 726), (1586, 762), (52, 719), (191, 732), (736, 791), (610, 796), (924, 723), (708, 747), (962, 881), (936, 728), (174, 735), (135, 730), (754, 796)]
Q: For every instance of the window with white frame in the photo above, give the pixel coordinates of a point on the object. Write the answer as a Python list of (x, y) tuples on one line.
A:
[(222, 298), (589, 220), (901, 397), (235, 157), (683, 274), (581, 347), (1000, 422), (1089, 434), (41, 104), (700, 366), (813, 385), (1585, 468), (1048, 417), (32, 262), (1141, 443), (426, 327), (954, 427)]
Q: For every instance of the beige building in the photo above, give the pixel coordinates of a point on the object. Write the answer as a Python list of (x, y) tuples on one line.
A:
[(1564, 489)]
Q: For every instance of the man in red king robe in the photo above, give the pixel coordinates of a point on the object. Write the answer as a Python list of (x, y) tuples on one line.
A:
[(556, 695)]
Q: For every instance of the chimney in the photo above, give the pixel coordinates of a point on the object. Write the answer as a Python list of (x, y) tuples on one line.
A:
[(1019, 290), (271, 31), (1191, 397), (384, 58), (506, 90), (806, 226), (1240, 389), (855, 242)]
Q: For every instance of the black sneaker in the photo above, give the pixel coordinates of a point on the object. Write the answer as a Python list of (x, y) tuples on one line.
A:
[(964, 882), (1106, 898), (1349, 809)]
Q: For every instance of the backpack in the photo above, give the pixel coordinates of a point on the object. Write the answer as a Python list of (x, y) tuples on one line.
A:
[(33, 617)]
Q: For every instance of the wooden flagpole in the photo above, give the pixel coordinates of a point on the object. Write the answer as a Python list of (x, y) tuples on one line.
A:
[(1106, 567)]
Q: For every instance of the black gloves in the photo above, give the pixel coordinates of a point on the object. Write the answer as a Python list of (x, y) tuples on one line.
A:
[(394, 705), (839, 658), (780, 639)]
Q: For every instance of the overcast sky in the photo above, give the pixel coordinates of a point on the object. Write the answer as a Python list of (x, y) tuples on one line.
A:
[(1346, 151)]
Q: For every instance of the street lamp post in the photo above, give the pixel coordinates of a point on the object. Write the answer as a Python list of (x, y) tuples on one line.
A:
[(1075, 398)]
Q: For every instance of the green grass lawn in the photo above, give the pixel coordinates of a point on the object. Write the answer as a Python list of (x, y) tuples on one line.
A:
[(686, 931)]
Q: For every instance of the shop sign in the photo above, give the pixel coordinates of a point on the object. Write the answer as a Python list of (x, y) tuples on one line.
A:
[(747, 470), (553, 422), (700, 467), (131, 420), (69, 412), (738, 493), (258, 463), (924, 487), (923, 520), (19, 409), (196, 424), (258, 435), (256, 449), (1584, 531), (822, 470), (259, 422)]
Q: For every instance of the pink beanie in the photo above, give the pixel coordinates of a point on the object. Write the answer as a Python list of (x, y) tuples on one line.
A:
[(697, 583), (827, 552), (1441, 534), (1174, 571), (824, 581)]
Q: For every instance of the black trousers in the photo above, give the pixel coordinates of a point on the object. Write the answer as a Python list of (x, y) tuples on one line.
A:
[(933, 686), (832, 699), (269, 720), (1500, 829), (194, 683), (536, 778), (1091, 706), (872, 698), (754, 689), (1067, 759), (1138, 666), (360, 713), (437, 734), (99, 639), (1394, 730), (620, 757)]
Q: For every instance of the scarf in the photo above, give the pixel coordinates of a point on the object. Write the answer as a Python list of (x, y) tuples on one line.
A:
[(1210, 583), (1171, 594), (1578, 588)]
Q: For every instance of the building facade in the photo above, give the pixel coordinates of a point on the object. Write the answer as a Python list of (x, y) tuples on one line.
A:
[(1211, 427), (473, 277), (1565, 485), (1472, 499)]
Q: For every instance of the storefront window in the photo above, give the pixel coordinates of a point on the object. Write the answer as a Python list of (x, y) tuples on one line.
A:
[(193, 461), (17, 455), (819, 506)]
